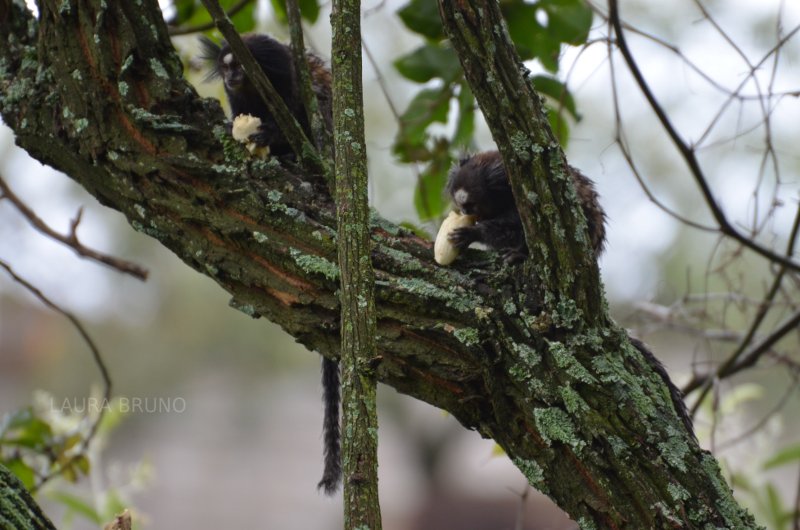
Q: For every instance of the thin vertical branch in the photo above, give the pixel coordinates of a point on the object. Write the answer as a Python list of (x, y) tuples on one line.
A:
[(321, 134), (357, 296)]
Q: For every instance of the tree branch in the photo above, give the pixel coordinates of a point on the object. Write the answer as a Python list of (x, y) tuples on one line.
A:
[(70, 240), (687, 152), (532, 361), (358, 324)]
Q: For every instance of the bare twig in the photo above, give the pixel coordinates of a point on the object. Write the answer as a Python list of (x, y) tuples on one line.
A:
[(71, 239), (619, 138), (687, 152), (98, 360), (322, 136), (396, 115), (732, 365)]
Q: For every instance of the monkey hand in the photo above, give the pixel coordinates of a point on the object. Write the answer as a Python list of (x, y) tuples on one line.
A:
[(463, 237)]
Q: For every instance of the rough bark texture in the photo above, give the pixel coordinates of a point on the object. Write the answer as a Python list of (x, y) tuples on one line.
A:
[(18, 510), (359, 350), (95, 89)]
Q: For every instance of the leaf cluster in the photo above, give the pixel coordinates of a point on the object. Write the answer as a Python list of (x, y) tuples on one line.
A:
[(539, 30)]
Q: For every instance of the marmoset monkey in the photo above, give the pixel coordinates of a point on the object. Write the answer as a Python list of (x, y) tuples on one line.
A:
[(479, 187), (275, 60)]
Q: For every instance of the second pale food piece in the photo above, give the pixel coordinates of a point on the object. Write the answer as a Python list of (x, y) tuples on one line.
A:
[(444, 252), (245, 125)]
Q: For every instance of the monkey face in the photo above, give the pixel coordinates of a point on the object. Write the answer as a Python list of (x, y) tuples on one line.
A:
[(465, 203), (479, 187), (231, 71)]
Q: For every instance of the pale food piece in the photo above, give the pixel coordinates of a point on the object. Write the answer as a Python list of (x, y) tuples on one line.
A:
[(444, 252), (245, 125)]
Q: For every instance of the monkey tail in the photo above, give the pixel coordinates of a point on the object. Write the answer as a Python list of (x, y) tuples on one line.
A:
[(330, 427), (674, 392)]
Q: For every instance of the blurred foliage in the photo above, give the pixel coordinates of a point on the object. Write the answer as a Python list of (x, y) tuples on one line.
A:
[(47, 442), (539, 30), (764, 498), (192, 13)]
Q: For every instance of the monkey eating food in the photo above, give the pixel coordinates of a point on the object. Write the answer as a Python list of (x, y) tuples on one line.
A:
[(479, 187), (480, 190), (275, 60)]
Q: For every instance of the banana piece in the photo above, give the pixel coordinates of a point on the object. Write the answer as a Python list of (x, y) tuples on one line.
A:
[(445, 252)]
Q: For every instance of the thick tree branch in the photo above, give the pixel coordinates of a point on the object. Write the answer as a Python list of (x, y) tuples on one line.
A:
[(18, 510)]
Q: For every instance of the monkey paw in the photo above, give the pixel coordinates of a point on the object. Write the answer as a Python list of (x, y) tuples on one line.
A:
[(462, 237)]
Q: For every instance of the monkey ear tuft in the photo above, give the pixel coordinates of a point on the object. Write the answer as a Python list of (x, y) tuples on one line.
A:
[(210, 51)]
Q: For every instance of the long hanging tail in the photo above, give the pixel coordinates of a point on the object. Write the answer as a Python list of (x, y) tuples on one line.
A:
[(330, 427)]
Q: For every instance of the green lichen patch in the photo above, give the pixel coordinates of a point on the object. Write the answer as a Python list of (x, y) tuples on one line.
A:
[(618, 446), (459, 301), (533, 472), (410, 263), (567, 314), (674, 451), (556, 426), (572, 400), (467, 336), (527, 355), (678, 492), (566, 361), (315, 264)]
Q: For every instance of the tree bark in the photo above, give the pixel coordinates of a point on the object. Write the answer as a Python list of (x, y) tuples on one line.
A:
[(18, 510), (358, 328), (95, 89)]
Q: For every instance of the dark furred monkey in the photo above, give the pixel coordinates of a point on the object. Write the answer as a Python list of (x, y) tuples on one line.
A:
[(275, 60), (479, 186)]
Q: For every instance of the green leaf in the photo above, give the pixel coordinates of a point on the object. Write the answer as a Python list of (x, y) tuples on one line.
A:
[(465, 126), (429, 61), (244, 20), (428, 106), (774, 504), (77, 505), (530, 37), (23, 472), (184, 9), (422, 16), (309, 10), (429, 199), (559, 125), (568, 21), (25, 429), (557, 92), (785, 456)]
